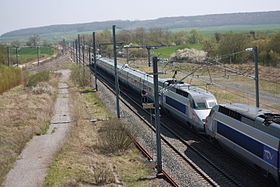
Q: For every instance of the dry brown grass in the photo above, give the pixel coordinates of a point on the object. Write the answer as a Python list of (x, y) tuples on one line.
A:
[(23, 114), (9, 77), (113, 137), (81, 163)]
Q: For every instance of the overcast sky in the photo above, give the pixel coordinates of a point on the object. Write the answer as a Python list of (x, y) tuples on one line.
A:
[(17, 14)]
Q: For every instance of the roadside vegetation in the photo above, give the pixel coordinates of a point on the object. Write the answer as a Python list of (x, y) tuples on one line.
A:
[(80, 75), (36, 78), (9, 77), (99, 151), (24, 112)]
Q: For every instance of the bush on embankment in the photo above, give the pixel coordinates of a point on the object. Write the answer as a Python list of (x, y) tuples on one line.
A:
[(34, 79), (81, 75), (9, 77)]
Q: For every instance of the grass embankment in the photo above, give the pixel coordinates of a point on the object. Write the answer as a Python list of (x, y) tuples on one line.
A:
[(24, 112), (9, 77), (165, 52), (97, 153), (28, 54)]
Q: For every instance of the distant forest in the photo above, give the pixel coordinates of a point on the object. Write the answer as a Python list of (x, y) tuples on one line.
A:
[(255, 18)]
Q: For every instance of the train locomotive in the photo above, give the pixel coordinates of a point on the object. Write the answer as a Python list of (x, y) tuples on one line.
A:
[(187, 103), (252, 133)]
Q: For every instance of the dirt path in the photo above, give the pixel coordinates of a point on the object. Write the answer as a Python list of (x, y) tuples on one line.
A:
[(31, 168)]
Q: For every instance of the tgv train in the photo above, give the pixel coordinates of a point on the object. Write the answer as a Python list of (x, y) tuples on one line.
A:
[(250, 132), (186, 102)]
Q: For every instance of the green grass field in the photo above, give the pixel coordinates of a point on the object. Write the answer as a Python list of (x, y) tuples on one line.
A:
[(269, 28), (27, 54), (50, 37), (209, 31), (167, 51)]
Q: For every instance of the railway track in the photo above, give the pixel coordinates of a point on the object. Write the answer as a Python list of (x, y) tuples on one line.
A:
[(208, 181), (218, 176)]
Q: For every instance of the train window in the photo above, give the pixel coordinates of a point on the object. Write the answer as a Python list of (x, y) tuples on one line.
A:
[(211, 104), (201, 106), (230, 113), (181, 92)]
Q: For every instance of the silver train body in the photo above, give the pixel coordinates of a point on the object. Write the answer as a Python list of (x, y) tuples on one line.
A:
[(248, 131), (187, 103)]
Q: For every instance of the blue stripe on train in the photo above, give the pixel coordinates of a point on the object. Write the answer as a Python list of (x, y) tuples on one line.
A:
[(257, 148), (176, 104)]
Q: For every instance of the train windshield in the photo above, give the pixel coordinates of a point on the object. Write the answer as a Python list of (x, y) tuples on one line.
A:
[(211, 104), (205, 105), (201, 106)]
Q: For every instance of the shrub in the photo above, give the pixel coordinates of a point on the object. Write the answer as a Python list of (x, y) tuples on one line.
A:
[(40, 89), (190, 55), (81, 75), (232, 43), (9, 77), (34, 79), (114, 136), (101, 173)]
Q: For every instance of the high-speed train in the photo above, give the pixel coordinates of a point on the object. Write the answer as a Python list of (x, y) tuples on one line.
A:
[(252, 133), (188, 103), (248, 131)]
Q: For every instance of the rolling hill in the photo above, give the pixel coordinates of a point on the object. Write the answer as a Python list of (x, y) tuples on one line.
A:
[(203, 21)]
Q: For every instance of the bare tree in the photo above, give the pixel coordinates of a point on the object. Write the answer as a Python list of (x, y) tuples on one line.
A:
[(15, 43), (33, 41)]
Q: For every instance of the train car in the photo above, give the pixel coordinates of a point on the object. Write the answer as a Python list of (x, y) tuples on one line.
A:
[(252, 133), (133, 78), (188, 103)]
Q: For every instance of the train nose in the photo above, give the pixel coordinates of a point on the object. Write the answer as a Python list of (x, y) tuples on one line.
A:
[(202, 114)]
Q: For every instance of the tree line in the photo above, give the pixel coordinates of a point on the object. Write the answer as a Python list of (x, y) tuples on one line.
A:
[(218, 44), (141, 36), (268, 45)]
